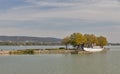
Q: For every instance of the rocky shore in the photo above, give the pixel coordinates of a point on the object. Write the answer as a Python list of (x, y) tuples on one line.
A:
[(4, 52)]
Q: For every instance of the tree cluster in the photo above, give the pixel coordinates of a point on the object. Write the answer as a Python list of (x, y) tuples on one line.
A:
[(79, 40)]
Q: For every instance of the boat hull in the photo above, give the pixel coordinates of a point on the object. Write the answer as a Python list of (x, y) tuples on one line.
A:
[(93, 49)]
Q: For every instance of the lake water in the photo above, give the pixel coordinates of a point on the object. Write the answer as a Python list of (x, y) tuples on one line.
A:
[(28, 47), (97, 63)]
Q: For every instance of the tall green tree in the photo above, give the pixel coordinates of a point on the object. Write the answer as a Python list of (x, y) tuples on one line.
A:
[(76, 39), (102, 41), (91, 40), (66, 41)]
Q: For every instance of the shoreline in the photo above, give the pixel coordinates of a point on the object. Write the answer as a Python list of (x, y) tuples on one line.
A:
[(45, 51), (34, 51), (59, 51)]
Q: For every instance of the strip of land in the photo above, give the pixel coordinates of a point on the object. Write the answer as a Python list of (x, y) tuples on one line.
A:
[(40, 51)]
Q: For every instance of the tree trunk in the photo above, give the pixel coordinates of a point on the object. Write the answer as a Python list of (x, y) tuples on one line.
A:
[(66, 46)]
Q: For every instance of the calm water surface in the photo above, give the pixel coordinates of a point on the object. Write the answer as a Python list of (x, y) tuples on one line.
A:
[(28, 47), (98, 63)]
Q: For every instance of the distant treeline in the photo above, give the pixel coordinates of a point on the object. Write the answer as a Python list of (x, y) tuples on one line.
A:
[(114, 44), (30, 43), (26, 40)]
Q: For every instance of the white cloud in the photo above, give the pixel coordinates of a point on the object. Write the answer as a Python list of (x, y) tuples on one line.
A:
[(103, 10), (87, 14), (89, 11)]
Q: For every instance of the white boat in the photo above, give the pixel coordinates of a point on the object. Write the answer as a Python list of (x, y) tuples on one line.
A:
[(93, 49)]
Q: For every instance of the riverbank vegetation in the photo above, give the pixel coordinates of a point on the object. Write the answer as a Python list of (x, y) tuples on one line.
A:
[(27, 51), (78, 40), (28, 43), (39, 51)]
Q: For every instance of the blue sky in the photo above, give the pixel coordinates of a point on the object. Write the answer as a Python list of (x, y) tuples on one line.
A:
[(59, 18)]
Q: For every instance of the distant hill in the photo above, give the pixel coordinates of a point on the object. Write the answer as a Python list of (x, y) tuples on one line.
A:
[(28, 39)]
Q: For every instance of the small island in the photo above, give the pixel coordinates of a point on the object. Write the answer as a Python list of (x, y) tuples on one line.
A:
[(77, 40)]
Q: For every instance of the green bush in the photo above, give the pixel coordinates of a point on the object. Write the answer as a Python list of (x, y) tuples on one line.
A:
[(61, 48), (27, 51)]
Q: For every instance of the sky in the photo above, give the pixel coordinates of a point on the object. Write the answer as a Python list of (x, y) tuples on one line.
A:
[(60, 18)]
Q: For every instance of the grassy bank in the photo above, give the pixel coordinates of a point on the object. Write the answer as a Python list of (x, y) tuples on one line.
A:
[(40, 51)]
